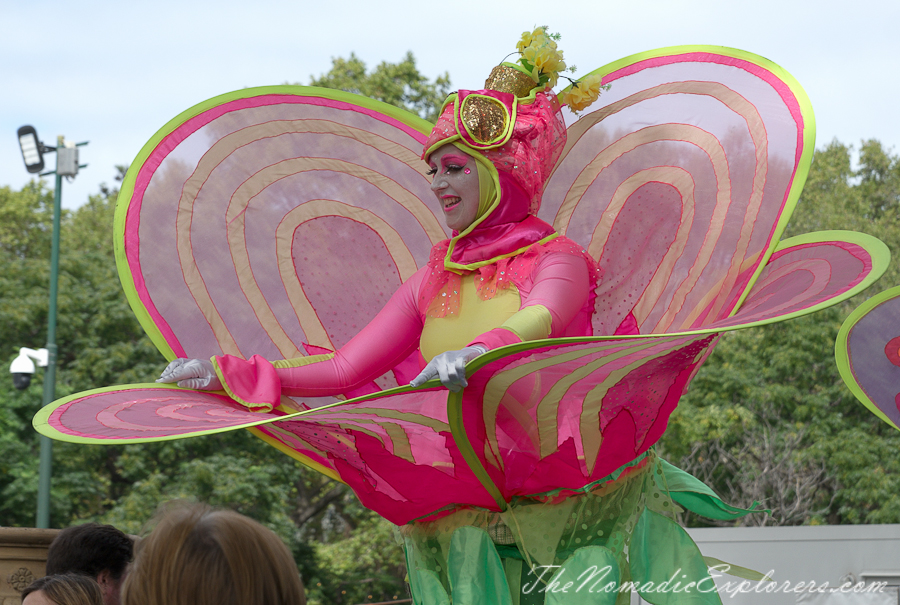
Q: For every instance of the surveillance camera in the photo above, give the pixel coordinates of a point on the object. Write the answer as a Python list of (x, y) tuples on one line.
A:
[(21, 380), (22, 366)]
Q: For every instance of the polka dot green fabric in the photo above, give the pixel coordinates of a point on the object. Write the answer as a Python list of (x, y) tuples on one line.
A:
[(544, 542)]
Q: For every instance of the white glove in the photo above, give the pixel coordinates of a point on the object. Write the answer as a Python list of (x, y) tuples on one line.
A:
[(192, 374), (451, 367)]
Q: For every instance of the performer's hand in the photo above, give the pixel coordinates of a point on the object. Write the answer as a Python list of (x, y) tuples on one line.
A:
[(192, 374), (451, 367)]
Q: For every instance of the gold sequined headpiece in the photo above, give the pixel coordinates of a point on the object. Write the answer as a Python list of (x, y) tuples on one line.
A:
[(486, 118), (508, 78)]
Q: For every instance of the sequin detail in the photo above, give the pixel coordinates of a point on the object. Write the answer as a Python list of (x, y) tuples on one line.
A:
[(485, 118), (509, 79), (439, 294)]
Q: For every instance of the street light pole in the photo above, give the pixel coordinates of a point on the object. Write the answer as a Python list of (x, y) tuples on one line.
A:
[(46, 461), (66, 165)]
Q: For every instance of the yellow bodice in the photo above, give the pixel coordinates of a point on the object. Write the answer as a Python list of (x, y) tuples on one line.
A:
[(475, 317)]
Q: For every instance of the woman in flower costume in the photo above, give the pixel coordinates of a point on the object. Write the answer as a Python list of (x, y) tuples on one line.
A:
[(540, 453), (505, 277), (490, 154)]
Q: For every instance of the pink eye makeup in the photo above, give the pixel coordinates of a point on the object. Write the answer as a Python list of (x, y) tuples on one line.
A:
[(452, 161), (449, 163)]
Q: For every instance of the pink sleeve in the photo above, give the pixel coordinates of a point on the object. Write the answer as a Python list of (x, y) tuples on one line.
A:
[(391, 337), (560, 283)]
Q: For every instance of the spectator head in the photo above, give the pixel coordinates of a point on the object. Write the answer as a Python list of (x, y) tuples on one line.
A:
[(101, 552), (63, 589), (197, 555)]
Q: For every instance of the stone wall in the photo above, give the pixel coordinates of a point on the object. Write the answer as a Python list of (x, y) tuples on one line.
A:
[(23, 558)]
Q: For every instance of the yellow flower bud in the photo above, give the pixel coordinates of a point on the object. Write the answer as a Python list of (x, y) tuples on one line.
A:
[(582, 93), (524, 41), (529, 54)]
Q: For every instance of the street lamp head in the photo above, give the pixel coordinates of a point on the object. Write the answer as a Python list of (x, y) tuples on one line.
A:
[(31, 148)]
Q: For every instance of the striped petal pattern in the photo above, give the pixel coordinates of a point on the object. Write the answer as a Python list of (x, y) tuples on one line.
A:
[(270, 219), (278, 221), (680, 181)]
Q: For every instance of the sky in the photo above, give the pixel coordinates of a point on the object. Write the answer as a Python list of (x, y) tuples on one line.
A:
[(113, 73)]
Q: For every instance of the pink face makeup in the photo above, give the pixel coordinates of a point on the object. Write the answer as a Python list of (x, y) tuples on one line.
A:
[(451, 159), (455, 186)]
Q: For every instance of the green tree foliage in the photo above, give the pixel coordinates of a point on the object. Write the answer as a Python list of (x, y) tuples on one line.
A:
[(767, 418), (24, 219), (99, 340), (361, 567), (399, 84)]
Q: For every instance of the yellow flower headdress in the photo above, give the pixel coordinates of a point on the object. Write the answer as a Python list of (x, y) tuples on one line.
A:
[(541, 59)]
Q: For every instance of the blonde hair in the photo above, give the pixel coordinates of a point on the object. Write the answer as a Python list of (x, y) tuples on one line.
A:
[(197, 555), (67, 589)]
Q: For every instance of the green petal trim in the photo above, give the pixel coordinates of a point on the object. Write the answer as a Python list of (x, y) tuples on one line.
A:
[(589, 577), (457, 429), (697, 497), (127, 189), (664, 562), (878, 251), (41, 425), (842, 350), (806, 111), (476, 574)]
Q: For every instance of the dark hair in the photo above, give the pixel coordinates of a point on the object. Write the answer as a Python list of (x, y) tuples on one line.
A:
[(89, 549), (197, 555), (67, 589)]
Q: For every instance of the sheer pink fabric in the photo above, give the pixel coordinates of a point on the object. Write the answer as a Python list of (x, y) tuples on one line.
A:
[(558, 275), (548, 276)]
